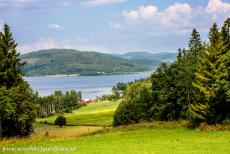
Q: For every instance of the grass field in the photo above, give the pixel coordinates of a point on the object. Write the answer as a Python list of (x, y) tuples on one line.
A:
[(137, 139), (145, 138), (100, 113)]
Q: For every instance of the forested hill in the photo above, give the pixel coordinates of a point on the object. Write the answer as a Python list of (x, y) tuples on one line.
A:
[(69, 61), (165, 56)]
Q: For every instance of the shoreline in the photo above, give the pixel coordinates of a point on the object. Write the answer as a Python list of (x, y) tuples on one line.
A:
[(78, 75)]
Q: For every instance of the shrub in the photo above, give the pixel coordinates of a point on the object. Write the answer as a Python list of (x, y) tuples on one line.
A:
[(135, 106), (60, 121), (46, 134)]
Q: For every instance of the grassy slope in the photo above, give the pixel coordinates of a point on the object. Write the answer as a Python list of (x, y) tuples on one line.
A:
[(142, 139), (100, 113)]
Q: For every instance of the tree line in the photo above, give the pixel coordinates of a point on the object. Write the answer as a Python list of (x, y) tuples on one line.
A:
[(59, 102), (195, 87)]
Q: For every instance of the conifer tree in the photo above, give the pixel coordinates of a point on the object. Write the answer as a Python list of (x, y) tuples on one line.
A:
[(204, 107), (195, 45), (222, 85), (10, 67), (225, 34), (17, 100)]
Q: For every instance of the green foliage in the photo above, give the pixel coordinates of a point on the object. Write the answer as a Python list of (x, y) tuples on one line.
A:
[(60, 121), (170, 93), (10, 66), (135, 105), (211, 101), (18, 106), (117, 92), (59, 102), (195, 86)]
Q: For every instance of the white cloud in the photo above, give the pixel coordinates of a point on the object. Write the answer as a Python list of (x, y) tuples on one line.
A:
[(131, 16), (176, 19), (177, 13), (55, 26), (39, 45), (82, 44), (147, 12), (116, 25), (216, 8), (169, 15)]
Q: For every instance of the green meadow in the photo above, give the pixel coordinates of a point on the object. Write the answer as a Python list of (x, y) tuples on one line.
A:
[(99, 113), (144, 138)]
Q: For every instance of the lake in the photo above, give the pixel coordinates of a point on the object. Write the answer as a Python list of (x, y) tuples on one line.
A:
[(90, 86)]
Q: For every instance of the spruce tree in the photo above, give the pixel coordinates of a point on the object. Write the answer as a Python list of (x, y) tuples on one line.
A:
[(17, 101), (206, 76), (195, 44), (225, 34), (222, 85), (10, 67), (187, 67)]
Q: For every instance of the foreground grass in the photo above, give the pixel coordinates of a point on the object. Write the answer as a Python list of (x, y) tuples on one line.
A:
[(135, 139), (100, 113), (52, 132)]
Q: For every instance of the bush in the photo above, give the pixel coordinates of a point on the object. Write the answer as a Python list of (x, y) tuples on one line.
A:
[(135, 106), (67, 110), (60, 121)]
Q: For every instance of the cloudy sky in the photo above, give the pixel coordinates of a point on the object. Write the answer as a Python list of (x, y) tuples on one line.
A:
[(110, 25)]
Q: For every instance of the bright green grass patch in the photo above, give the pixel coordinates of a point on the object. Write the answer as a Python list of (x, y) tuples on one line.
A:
[(99, 113), (142, 140)]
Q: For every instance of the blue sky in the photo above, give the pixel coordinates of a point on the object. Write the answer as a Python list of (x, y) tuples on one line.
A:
[(110, 26)]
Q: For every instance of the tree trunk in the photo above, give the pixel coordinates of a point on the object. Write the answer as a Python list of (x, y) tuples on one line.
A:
[(0, 126), (188, 100)]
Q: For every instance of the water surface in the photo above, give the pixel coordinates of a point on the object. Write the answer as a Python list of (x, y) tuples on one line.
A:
[(90, 86)]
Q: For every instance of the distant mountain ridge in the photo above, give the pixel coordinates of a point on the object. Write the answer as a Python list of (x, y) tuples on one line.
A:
[(163, 57), (70, 61)]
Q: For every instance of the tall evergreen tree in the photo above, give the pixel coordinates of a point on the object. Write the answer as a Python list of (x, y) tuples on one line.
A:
[(195, 44), (225, 34), (17, 100), (10, 67), (204, 107), (222, 85), (187, 67)]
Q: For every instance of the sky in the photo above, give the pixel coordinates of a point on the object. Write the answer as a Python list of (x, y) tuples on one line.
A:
[(110, 26)]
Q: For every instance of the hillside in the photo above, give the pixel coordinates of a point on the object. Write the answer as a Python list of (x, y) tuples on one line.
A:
[(68, 61), (163, 57)]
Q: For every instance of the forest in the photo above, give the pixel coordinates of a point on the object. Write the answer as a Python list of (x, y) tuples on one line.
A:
[(195, 87)]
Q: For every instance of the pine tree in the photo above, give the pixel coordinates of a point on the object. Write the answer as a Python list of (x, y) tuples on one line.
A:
[(225, 34), (187, 64), (17, 100), (10, 67), (206, 76), (195, 45), (222, 85)]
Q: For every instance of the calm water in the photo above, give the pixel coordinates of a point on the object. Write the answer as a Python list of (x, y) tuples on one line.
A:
[(90, 86)]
